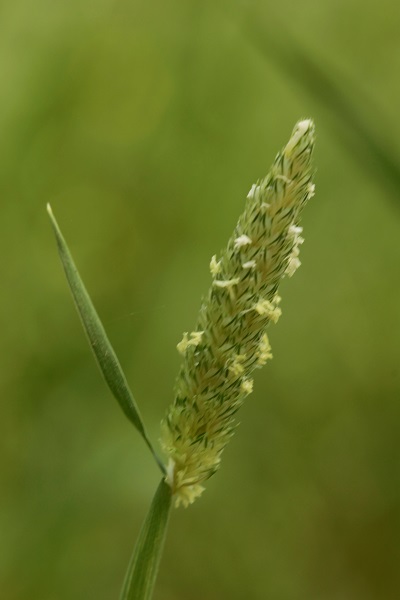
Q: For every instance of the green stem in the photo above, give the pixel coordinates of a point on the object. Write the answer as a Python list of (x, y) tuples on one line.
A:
[(142, 570)]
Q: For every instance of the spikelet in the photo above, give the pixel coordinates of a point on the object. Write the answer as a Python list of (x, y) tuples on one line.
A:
[(230, 339)]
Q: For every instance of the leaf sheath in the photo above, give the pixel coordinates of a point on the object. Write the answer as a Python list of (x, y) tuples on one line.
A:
[(143, 567)]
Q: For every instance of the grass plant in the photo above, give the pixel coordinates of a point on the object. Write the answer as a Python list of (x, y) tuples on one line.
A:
[(220, 356)]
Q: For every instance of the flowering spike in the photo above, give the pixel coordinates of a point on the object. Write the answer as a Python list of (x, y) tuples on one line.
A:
[(230, 340)]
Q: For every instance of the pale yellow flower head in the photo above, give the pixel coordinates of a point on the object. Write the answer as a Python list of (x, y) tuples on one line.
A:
[(230, 339)]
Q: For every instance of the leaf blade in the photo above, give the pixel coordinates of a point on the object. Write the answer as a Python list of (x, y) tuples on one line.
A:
[(104, 353)]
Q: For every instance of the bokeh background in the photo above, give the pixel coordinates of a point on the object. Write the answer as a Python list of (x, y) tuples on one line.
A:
[(145, 123)]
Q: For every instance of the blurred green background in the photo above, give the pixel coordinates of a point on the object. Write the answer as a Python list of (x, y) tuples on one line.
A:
[(145, 123)]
